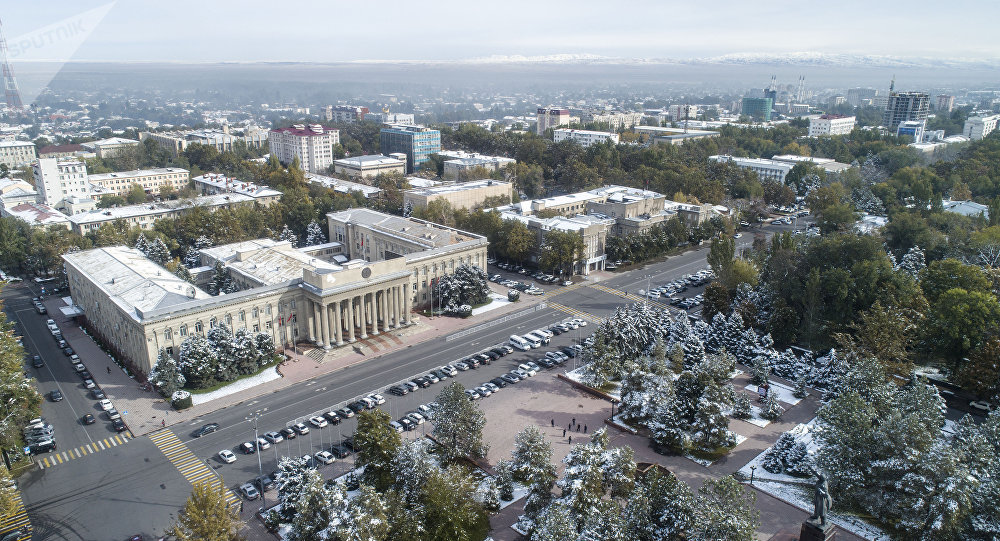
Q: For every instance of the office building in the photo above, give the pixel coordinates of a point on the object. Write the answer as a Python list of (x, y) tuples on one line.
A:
[(176, 142), (550, 117), (417, 142), (677, 113), (146, 214), (825, 125), (14, 154), (616, 120), (344, 114), (343, 186), (673, 136), (400, 119), (859, 97), (977, 127), (826, 164), (65, 151), (368, 166), (584, 138), (326, 296), (36, 214), (767, 170), (905, 107), (945, 103), (217, 183), (463, 195), (912, 128), (758, 109), (312, 145), (111, 147), (151, 180), (459, 163), (14, 192), (58, 179)]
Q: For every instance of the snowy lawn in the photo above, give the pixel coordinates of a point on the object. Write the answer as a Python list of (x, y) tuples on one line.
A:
[(614, 390), (782, 392), (499, 301), (265, 376), (755, 420)]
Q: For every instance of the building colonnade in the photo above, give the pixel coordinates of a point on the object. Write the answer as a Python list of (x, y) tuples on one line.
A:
[(338, 321)]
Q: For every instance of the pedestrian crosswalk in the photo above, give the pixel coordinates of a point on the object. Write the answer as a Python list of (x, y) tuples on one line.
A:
[(17, 519), (57, 458), (629, 296), (575, 312), (194, 469)]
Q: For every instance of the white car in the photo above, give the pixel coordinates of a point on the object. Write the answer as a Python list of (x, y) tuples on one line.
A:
[(580, 322), (227, 456), (106, 405), (326, 457), (318, 421), (416, 418), (89, 384), (527, 369), (377, 398)]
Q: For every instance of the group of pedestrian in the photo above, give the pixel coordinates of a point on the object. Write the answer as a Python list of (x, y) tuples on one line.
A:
[(569, 428)]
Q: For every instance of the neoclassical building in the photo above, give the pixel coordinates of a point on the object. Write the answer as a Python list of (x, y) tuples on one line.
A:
[(365, 282)]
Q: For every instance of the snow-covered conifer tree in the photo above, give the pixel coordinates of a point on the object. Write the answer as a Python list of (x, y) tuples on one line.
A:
[(315, 234)]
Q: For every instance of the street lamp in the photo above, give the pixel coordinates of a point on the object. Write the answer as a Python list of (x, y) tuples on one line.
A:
[(255, 418), (752, 469)]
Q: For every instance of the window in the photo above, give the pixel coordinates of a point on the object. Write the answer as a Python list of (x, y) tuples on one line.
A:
[(256, 327), (167, 334), (229, 319), (198, 328), (256, 312), (184, 330), (267, 309), (267, 325), (212, 323), (243, 315), (293, 304), (170, 350)]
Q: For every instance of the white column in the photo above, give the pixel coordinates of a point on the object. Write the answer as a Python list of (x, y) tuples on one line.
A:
[(324, 326), (363, 313), (407, 299), (374, 311), (338, 326), (350, 320), (311, 321)]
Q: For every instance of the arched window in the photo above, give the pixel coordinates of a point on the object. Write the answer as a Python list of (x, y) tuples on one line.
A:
[(267, 309), (167, 334), (198, 327), (243, 315), (256, 312), (212, 323), (184, 330)]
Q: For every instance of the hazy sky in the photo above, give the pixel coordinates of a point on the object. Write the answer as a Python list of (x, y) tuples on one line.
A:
[(331, 31)]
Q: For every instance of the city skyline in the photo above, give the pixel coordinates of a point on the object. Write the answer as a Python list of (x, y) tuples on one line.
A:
[(193, 32)]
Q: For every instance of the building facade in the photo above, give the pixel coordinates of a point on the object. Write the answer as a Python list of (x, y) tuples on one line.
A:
[(368, 166), (904, 107), (945, 103), (401, 119), (58, 179), (417, 142), (550, 117), (222, 140), (769, 170), (36, 214), (463, 195), (912, 128), (825, 125), (585, 138), (344, 114), (616, 120), (978, 127), (146, 214), (327, 296), (758, 109), (151, 180), (16, 153), (111, 147), (458, 163), (312, 145), (14, 192)]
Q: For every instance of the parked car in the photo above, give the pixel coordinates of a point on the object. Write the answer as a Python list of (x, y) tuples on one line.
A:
[(249, 491), (499, 382), (325, 457), (318, 421), (332, 417), (510, 378), (227, 456), (398, 390), (396, 426), (273, 437), (411, 386), (301, 428), (340, 451), (118, 425), (264, 483), (98, 394), (263, 444), (248, 448), (345, 413), (288, 433), (377, 398)]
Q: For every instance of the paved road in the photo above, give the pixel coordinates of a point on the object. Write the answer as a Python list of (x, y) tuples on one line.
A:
[(107, 495)]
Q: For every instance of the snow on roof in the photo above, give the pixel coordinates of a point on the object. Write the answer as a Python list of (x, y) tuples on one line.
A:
[(132, 281), (111, 141), (343, 186), (37, 214), (458, 187), (267, 261), (222, 182), (966, 208), (417, 182), (414, 231), (153, 209), (369, 160), (136, 173)]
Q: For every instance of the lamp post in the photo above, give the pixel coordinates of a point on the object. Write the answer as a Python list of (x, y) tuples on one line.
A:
[(752, 469), (254, 418)]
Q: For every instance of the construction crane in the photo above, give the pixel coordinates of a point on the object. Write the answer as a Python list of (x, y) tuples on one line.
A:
[(11, 92)]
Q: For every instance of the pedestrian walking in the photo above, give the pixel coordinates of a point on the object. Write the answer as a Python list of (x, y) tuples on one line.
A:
[(584, 429), (574, 421), (569, 427), (564, 432), (571, 440), (577, 428), (163, 422), (553, 423), (109, 369)]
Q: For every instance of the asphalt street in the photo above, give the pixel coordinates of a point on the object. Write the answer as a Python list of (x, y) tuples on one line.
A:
[(132, 488)]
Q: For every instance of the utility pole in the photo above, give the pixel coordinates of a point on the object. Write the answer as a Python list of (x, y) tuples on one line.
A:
[(254, 418)]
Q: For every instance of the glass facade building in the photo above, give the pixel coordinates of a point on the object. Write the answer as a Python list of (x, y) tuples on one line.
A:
[(758, 108), (417, 142)]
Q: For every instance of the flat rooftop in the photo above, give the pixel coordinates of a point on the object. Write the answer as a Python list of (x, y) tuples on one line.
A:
[(267, 261), (370, 160), (137, 173), (164, 207), (432, 235), (343, 186), (37, 214), (222, 182), (458, 187), (132, 281)]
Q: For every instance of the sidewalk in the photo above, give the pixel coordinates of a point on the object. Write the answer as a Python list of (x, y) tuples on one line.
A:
[(146, 411)]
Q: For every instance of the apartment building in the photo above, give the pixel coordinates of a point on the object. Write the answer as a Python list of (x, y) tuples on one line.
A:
[(176, 142), (151, 180), (344, 114), (312, 145), (58, 179), (16, 153), (904, 107), (550, 117), (111, 147), (146, 214), (462, 195), (826, 125), (217, 183), (399, 119), (369, 166), (416, 142), (585, 138), (458, 162), (978, 127), (767, 170)]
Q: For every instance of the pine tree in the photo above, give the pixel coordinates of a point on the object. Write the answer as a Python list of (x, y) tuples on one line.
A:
[(489, 495), (378, 444), (451, 508), (366, 517), (246, 356), (290, 486), (141, 243), (314, 510), (220, 338), (184, 274), (710, 429), (265, 346), (207, 517), (771, 410), (801, 391), (635, 396), (411, 467), (555, 524), (197, 361), (760, 371), (725, 510), (672, 506), (314, 234), (531, 459), (157, 251), (287, 235), (742, 408), (458, 424), (166, 375), (505, 480), (222, 281), (774, 458), (667, 426), (913, 262)]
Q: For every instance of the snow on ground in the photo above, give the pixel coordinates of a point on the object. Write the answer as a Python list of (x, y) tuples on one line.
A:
[(756, 419), (782, 392), (577, 376), (499, 301), (704, 462), (246, 383), (798, 491), (619, 421)]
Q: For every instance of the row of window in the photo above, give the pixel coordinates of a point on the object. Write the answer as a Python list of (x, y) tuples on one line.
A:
[(199, 327)]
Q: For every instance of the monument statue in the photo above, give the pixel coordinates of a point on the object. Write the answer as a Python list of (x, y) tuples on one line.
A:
[(822, 501)]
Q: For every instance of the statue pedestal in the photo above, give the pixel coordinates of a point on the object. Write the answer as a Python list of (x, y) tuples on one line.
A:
[(813, 531)]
